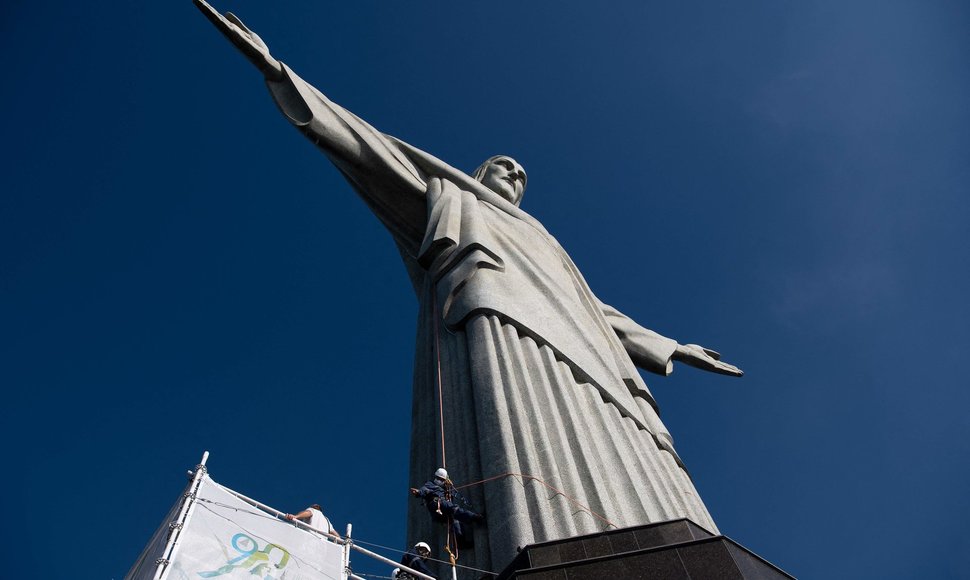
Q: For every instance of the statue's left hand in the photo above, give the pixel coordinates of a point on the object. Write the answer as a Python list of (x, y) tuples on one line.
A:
[(705, 359), (248, 42)]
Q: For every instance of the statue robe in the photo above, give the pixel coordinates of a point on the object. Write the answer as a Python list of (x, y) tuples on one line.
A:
[(536, 373)]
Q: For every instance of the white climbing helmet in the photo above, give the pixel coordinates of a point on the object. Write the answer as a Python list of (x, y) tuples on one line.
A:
[(422, 546), (441, 473)]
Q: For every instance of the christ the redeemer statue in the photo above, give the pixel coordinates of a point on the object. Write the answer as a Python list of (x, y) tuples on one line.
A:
[(537, 376)]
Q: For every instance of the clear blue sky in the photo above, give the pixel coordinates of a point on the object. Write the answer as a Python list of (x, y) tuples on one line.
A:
[(786, 182)]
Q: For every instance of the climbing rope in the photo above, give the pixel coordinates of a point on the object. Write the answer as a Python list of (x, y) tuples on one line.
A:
[(452, 555), (437, 351), (558, 491)]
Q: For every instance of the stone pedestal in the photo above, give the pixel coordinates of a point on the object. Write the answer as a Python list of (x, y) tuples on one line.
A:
[(674, 550)]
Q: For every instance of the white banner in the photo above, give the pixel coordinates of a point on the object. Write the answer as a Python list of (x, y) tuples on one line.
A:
[(227, 538)]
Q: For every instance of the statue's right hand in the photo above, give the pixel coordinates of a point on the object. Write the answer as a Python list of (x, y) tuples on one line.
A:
[(247, 41)]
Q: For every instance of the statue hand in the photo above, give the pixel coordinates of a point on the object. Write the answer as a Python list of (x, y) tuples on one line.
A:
[(705, 359), (247, 41)]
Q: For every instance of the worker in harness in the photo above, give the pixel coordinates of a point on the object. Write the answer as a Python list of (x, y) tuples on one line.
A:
[(444, 503)]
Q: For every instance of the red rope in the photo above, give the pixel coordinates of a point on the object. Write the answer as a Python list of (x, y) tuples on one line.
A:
[(558, 491)]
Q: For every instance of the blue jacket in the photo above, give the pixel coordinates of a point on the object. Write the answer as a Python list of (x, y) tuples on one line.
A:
[(412, 560), (431, 490)]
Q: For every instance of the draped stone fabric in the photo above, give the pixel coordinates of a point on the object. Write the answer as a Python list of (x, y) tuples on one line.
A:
[(536, 379)]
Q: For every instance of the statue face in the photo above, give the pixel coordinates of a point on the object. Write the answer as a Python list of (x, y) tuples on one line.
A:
[(505, 177)]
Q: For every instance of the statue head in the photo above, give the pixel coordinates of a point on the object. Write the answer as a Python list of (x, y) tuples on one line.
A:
[(504, 176)]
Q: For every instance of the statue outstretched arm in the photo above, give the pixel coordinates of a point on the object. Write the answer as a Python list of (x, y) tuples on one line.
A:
[(376, 167), (656, 353)]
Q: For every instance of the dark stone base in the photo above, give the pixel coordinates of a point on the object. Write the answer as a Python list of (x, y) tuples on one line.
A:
[(674, 550)]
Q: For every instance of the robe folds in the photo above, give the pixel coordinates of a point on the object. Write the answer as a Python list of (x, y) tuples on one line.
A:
[(535, 375)]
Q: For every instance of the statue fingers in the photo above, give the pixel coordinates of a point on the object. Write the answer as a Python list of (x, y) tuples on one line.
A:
[(253, 38), (229, 29), (204, 6), (728, 369), (214, 17), (235, 20), (238, 33), (259, 43)]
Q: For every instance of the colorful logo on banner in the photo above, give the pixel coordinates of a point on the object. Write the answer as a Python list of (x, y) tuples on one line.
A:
[(264, 564)]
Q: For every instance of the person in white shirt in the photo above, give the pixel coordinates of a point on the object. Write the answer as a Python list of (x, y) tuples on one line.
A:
[(313, 517)]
